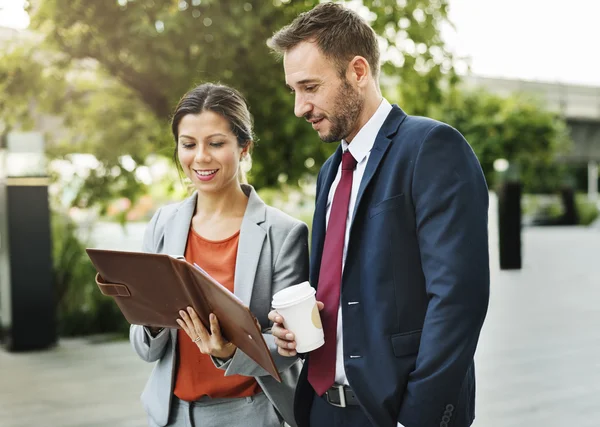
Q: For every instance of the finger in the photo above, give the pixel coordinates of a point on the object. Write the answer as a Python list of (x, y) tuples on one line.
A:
[(284, 344), (287, 353), (184, 327), (282, 333), (320, 305), (188, 326), (198, 326), (275, 317), (215, 328), (278, 331)]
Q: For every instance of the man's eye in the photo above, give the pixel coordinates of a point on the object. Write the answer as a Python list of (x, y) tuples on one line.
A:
[(310, 88)]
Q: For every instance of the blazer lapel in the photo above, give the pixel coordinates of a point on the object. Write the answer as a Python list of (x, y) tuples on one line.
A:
[(178, 228), (382, 143), (319, 224), (321, 206), (252, 236), (176, 235)]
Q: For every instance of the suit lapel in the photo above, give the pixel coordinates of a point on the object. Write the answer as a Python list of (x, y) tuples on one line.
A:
[(178, 228), (319, 225), (381, 145), (252, 237), (321, 206)]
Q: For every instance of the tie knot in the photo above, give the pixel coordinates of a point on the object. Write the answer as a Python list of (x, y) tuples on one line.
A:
[(348, 161)]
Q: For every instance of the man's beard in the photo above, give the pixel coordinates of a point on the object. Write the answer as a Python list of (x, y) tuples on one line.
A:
[(349, 106)]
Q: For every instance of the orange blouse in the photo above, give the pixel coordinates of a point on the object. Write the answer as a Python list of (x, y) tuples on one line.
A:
[(196, 374)]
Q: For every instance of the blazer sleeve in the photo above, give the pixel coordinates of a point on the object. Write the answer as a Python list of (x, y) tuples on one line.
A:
[(291, 268), (450, 198), (149, 348)]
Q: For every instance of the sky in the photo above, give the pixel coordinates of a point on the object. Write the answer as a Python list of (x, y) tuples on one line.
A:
[(544, 40), (12, 14), (523, 39)]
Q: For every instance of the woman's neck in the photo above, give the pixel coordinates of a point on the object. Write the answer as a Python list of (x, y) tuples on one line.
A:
[(223, 204)]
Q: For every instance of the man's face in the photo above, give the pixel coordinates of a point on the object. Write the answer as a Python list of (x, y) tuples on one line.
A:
[(331, 104)]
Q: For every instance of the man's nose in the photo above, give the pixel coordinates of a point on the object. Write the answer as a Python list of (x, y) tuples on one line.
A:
[(301, 107)]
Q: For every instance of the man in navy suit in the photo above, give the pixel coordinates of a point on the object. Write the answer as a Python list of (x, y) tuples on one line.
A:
[(399, 242)]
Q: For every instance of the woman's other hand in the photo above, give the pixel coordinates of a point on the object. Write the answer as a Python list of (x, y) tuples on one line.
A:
[(209, 342)]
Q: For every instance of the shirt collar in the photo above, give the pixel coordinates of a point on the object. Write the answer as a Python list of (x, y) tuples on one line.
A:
[(365, 138)]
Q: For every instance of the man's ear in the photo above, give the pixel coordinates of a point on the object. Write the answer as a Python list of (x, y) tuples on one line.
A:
[(359, 70)]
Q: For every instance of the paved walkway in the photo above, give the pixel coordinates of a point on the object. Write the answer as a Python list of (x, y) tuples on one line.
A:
[(538, 361), (77, 384)]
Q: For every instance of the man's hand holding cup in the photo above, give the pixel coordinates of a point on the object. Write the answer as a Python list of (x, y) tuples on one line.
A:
[(296, 322)]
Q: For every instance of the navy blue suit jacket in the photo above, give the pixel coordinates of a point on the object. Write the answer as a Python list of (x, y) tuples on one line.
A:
[(418, 266)]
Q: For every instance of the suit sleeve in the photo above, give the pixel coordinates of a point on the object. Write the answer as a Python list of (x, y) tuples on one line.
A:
[(291, 268), (450, 198), (149, 348)]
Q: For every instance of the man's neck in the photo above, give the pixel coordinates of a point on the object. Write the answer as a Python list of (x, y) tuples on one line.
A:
[(372, 103)]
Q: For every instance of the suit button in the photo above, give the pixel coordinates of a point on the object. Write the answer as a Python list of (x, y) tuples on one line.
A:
[(443, 424), (448, 413), (446, 419), (449, 408)]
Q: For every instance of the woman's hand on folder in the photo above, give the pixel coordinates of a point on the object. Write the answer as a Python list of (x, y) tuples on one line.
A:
[(209, 342)]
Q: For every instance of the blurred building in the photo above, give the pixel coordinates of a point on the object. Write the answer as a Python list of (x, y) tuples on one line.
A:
[(579, 105)]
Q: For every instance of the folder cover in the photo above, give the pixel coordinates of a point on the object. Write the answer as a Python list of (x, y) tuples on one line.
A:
[(150, 289)]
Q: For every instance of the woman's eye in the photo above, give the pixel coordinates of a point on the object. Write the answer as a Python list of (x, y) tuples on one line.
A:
[(188, 146), (217, 144)]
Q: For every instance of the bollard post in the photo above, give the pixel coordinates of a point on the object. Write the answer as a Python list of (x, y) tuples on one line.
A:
[(27, 297), (509, 225)]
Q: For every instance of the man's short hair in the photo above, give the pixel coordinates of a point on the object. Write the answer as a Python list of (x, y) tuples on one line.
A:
[(340, 34)]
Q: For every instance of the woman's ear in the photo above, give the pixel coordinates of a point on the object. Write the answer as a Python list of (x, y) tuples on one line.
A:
[(245, 150)]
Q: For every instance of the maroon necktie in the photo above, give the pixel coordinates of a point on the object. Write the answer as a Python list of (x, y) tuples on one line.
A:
[(321, 364)]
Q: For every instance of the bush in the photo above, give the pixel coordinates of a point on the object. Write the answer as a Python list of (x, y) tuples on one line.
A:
[(549, 207), (517, 128), (588, 211), (81, 308)]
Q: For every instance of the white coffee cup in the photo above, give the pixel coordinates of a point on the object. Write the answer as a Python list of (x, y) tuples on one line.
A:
[(298, 307)]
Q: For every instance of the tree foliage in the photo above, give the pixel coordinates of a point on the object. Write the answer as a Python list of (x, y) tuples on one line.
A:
[(114, 70), (516, 128)]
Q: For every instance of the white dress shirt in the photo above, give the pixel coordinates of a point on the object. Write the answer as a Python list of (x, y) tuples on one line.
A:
[(360, 148)]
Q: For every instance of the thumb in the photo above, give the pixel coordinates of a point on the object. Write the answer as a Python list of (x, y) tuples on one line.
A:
[(215, 328)]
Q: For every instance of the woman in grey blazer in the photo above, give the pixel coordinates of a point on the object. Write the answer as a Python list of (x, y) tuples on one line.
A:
[(231, 233)]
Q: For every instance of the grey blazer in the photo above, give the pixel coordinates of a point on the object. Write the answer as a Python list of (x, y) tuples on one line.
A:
[(272, 254)]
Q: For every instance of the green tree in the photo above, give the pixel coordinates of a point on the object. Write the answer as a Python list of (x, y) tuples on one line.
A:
[(516, 128), (114, 69)]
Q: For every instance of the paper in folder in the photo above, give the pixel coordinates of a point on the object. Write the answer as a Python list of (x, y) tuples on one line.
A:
[(150, 289)]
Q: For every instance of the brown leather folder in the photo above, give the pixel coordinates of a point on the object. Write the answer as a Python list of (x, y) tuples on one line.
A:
[(150, 289)]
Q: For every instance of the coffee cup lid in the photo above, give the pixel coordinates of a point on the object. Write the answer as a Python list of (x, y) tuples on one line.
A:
[(293, 294)]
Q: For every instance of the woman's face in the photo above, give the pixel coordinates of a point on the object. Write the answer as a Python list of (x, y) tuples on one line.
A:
[(208, 151)]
